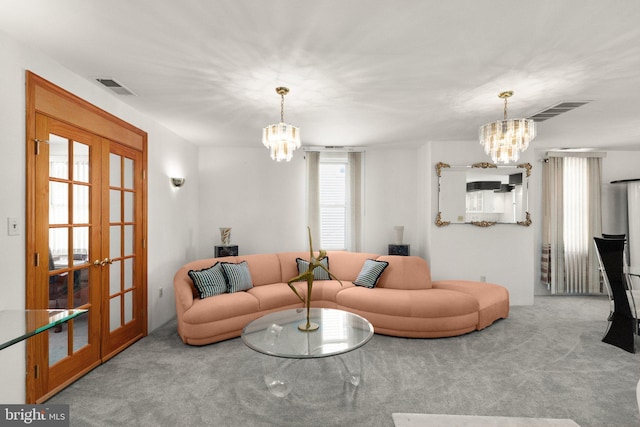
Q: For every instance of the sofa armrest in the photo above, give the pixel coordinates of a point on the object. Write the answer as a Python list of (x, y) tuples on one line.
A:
[(184, 290)]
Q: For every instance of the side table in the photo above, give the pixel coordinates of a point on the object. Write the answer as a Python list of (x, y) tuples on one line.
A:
[(399, 250), (222, 251)]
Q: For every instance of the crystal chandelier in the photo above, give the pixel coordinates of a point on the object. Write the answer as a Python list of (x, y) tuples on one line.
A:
[(281, 139), (503, 140)]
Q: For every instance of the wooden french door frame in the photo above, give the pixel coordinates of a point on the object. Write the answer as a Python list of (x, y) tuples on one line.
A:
[(48, 100), (122, 295), (75, 223)]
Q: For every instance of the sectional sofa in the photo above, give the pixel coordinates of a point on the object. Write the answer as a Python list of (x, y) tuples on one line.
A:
[(403, 301)]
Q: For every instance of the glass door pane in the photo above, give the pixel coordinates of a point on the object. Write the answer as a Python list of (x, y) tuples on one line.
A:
[(69, 242), (123, 286)]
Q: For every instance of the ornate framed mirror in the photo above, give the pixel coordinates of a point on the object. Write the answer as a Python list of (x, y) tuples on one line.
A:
[(483, 194)]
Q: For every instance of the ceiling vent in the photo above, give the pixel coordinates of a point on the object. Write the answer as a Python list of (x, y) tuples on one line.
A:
[(556, 110), (114, 86)]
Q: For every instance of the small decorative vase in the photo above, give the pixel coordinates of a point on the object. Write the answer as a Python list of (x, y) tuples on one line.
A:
[(225, 235), (399, 231)]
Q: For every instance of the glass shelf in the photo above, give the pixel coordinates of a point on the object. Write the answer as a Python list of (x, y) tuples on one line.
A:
[(18, 325)]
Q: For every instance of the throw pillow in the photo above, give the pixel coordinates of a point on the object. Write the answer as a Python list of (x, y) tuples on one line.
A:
[(318, 273), (370, 273), (209, 281), (238, 276)]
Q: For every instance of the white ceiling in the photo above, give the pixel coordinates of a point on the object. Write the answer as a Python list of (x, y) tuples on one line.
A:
[(361, 72)]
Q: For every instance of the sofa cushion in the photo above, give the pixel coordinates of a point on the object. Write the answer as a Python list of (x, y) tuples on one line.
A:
[(238, 276), (318, 273), (221, 308), (264, 268), (327, 290), (209, 281), (347, 265), (276, 296), (370, 273), (427, 303), (493, 300), (405, 272)]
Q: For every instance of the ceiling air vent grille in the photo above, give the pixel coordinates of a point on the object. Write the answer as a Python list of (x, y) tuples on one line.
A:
[(556, 110), (114, 86)]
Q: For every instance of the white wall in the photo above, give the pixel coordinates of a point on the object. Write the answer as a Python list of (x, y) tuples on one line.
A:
[(391, 190), (264, 201), (503, 253), (171, 224)]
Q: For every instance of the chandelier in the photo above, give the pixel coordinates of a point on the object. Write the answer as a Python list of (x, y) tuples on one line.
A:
[(281, 139), (503, 140)]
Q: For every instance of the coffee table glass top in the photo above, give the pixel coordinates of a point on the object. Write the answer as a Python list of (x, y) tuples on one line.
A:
[(277, 334)]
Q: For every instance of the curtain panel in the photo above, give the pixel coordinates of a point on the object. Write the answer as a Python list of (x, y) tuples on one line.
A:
[(355, 202), (571, 198), (552, 221), (313, 193)]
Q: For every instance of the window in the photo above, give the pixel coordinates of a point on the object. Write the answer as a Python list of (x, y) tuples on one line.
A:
[(333, 200), (334, 180)]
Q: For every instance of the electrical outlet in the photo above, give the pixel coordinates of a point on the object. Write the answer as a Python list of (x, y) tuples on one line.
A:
[(160, 293), (13, 228), (483, 278)]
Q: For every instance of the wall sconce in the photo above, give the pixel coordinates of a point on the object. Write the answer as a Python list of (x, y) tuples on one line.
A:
[(177, 182)]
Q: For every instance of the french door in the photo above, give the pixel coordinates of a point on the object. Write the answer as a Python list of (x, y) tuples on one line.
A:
[(85, 246)]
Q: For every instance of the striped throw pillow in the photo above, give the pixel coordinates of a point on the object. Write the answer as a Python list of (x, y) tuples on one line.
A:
[(370, 273), (318, 273), (238, 276), (209, 281)]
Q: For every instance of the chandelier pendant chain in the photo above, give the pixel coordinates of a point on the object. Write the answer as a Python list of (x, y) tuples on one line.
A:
[(281, 107), (505, 108), (505, 95)]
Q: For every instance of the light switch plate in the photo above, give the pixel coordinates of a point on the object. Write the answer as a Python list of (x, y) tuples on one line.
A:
[(13, 228)]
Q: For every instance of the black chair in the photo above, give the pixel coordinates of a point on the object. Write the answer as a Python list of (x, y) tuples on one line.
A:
[(623, 325), (614, 236), (603, 282)]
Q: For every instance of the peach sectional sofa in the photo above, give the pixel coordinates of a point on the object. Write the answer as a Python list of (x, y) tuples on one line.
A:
[(404, 302)]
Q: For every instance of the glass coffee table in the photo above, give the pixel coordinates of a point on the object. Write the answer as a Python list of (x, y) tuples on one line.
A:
[(277, 334)]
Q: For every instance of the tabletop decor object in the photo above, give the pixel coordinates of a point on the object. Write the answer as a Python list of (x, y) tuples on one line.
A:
[(225, 235), (314, 262)]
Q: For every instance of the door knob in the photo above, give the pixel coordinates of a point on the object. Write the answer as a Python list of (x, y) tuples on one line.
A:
[(98, 263)]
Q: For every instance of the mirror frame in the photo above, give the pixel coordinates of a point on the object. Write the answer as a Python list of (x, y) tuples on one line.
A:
[(483, 165)]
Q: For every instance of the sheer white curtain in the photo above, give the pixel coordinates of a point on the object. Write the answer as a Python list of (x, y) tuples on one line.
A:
[(571, 218), (313, 192), (354, 241)]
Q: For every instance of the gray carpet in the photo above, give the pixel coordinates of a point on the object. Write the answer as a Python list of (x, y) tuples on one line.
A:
[(545, 360)]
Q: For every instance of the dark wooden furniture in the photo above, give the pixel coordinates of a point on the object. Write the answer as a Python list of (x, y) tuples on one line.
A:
[(399, 250), (222, 251)]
